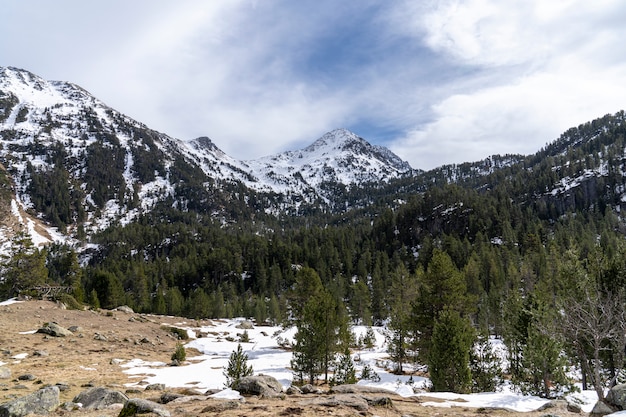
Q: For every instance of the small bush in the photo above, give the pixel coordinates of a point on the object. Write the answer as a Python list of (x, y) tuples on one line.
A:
[(70, 302), (369, 374), (237, 367), (179, 354), (181, 334)]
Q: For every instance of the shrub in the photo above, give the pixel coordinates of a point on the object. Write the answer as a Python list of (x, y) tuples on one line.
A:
[(179, 353), (237, 367)]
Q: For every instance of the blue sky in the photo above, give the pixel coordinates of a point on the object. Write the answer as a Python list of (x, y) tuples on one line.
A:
[(437, 82)]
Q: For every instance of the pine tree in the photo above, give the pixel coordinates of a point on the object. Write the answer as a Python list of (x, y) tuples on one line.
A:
[(402, 293), (322, 327), (237, 367), (485, 365), (345, 373), (449, 354), (25, 268)]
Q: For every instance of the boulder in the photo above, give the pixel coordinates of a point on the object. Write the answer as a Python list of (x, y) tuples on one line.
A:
[(293, 390), (310, 389), (245, 325), (347, 400), (40, 402), (125, 309), (601, 409), (617, 396), (53, 329), (98, 398), (5, 373), (359, 389), (136, 406), (155, 387), (262, 385)]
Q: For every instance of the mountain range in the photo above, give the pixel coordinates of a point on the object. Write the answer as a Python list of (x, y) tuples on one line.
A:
[(72, 167), (73, 161)]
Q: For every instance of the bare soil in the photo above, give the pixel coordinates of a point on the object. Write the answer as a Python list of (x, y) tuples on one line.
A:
[(81, 361)]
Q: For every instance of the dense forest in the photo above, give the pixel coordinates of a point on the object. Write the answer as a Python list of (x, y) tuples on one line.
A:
[(529, 249)]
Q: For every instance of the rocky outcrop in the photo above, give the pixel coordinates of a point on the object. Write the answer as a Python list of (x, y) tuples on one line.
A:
[(136, 406), (262, 385), (53, 329), (98, 398), (359, 389), (41, 402), (347, 400), (617, 396)]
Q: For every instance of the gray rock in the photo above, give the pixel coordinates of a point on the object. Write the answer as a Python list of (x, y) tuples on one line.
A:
[(41, 353), (125, 309), (136, 406), (574, 408), (293, 390), (98, 398), (5, 373), (246, 325), (63, 386), (100, 337), (168, 397), (310, 389), (617, 396), (53, 329), (155, 387), (601, 409), (26, 377), (348, 400), (75, 329), (358, 389), (263, 385), (40, 402), (221, 406)]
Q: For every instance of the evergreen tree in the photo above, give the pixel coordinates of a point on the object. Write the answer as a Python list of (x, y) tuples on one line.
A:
[(443, 287), (449, 354), (345, 373), (25, 268), (485, 366), (321, 327), (237, 367), (402, 294)]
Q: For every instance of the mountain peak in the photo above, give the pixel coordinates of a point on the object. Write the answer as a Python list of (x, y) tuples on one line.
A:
[(336, 139)]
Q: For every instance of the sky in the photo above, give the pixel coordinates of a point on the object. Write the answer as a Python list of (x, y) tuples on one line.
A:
[(437, 82)]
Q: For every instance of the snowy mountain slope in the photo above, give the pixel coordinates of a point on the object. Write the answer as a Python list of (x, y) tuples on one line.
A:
[(339, 156), (80, 165)]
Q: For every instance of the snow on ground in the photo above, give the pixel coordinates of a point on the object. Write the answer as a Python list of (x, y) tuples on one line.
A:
[(267, 357)]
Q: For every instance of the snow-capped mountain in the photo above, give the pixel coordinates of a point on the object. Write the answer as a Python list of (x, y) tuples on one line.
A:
[(79, 164), (338, 157)]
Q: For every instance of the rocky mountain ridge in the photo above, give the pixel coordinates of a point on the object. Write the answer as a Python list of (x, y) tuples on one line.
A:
[(80, 165)]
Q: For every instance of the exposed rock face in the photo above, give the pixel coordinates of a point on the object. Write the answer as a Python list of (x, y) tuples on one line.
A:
[(617, 396), (136, 406), (601, 409), (41, 402), (53, 329), (348, 400), (359, 389), (263, 385), (98, 398)]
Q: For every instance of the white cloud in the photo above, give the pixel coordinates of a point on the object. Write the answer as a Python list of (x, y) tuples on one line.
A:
[(537, 70), (452, 80)]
